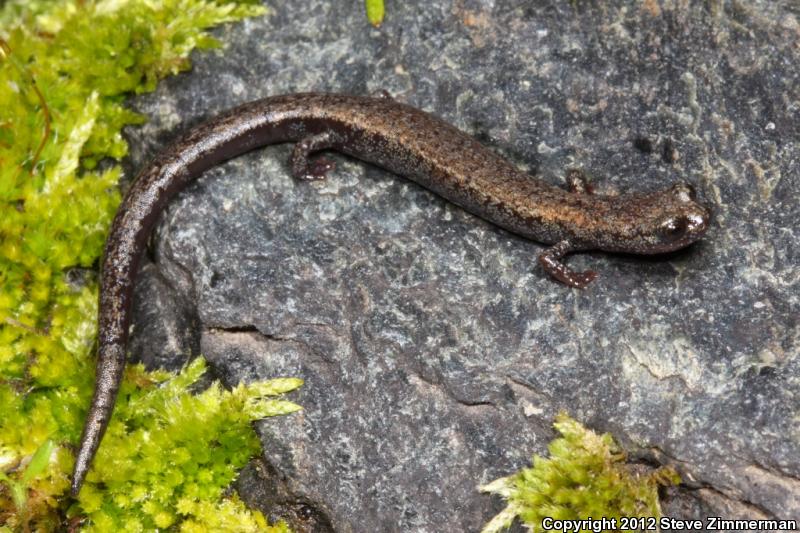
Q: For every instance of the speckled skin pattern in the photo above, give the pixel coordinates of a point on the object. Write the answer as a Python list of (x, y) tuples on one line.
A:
[(406, 141)]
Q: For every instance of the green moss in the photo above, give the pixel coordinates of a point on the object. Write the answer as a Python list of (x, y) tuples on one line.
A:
[(584, 477), (375, 11), (66, 67), (168, 455)]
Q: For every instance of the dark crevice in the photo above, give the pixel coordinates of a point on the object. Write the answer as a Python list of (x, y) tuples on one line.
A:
[(274, 337), (655, 454), (264, 487), (244, 328)]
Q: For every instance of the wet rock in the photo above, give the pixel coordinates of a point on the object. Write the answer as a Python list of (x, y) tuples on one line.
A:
[(435, 352)]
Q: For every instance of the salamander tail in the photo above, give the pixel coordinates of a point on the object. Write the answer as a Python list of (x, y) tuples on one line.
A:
[(110, 365)]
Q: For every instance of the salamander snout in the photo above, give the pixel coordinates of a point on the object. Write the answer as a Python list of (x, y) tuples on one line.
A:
[(658, 222), (681, 219), (682, 227)]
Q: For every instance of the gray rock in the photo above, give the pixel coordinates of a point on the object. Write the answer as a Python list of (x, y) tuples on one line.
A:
[(435, 352)]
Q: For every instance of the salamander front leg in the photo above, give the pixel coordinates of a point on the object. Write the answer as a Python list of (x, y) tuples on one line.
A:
[(551, 261), (577, 182), (302, 166)]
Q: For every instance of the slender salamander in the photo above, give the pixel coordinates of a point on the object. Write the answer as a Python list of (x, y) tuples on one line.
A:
[(406, 141)]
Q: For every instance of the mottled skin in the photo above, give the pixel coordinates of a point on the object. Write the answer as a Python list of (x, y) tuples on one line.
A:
[(405, 141)]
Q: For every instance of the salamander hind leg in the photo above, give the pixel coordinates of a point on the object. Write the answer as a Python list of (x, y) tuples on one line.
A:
[(578, 182), (551, 261), (303, 167)]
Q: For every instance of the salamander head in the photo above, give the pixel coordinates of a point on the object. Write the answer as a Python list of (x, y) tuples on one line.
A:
[(665, 221)]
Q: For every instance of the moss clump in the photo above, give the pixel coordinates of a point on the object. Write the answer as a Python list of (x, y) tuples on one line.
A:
[(168, 455), (375, 12), (66, 67), (584, 477)]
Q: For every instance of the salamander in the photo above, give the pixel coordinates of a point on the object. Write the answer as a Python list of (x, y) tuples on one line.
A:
[(405, 141)]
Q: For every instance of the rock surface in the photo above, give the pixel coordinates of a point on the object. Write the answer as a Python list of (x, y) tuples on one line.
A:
[(435, 352)]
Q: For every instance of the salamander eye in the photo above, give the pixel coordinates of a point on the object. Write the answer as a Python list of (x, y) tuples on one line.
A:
[(674, 228)]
